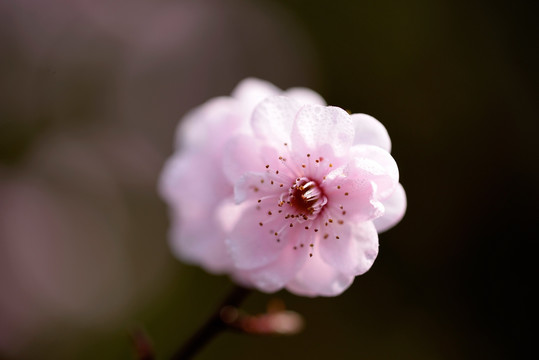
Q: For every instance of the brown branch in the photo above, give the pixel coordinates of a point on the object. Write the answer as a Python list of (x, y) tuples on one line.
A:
[(212, 327)]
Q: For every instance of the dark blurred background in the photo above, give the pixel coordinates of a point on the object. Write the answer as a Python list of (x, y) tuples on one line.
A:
[(91, 92)]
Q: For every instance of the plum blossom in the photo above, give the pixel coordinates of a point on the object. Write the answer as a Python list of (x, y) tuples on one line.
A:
[(288, 194), (193, 181), (315, 185)]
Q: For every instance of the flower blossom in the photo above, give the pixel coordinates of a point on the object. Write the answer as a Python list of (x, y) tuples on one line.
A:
[(315, 185), (293, 197), (193, 182)]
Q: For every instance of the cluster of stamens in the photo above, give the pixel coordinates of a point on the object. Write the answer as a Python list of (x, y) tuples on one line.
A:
[(301, 202), (306, 197)]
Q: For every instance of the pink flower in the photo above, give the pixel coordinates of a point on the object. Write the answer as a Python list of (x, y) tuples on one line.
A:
[(288, 194), (193, 182), (313, 186)]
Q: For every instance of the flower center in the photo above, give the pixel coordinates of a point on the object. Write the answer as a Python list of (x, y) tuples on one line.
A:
[(306, 197)]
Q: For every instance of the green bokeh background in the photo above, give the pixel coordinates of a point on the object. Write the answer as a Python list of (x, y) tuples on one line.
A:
[(455, 83)]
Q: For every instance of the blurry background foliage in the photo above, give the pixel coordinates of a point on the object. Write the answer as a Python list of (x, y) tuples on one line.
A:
[(91, 93)]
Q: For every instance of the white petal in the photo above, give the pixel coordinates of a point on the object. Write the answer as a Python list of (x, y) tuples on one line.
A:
[(252, 91), (395, 207), (273, 118), (305, 96), (379, 164), (370, 131), (319, 127)]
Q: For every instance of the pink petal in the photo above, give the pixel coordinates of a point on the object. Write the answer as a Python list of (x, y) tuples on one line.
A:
[(228, 213), (350, 248), (276, 275), (395, 207), (351, 195), (209, 124), (316, 278), (305, 96), (370, 131), (244, 154), (378, 164), (253, 243), (251, 91), (193, 184), (200, 243), (273, 118), (319, 127), (256, 186)]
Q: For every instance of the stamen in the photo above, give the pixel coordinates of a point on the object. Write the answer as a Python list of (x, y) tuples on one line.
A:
[(307, 198)]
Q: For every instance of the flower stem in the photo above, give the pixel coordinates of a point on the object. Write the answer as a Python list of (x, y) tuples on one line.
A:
[(212, 327)]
